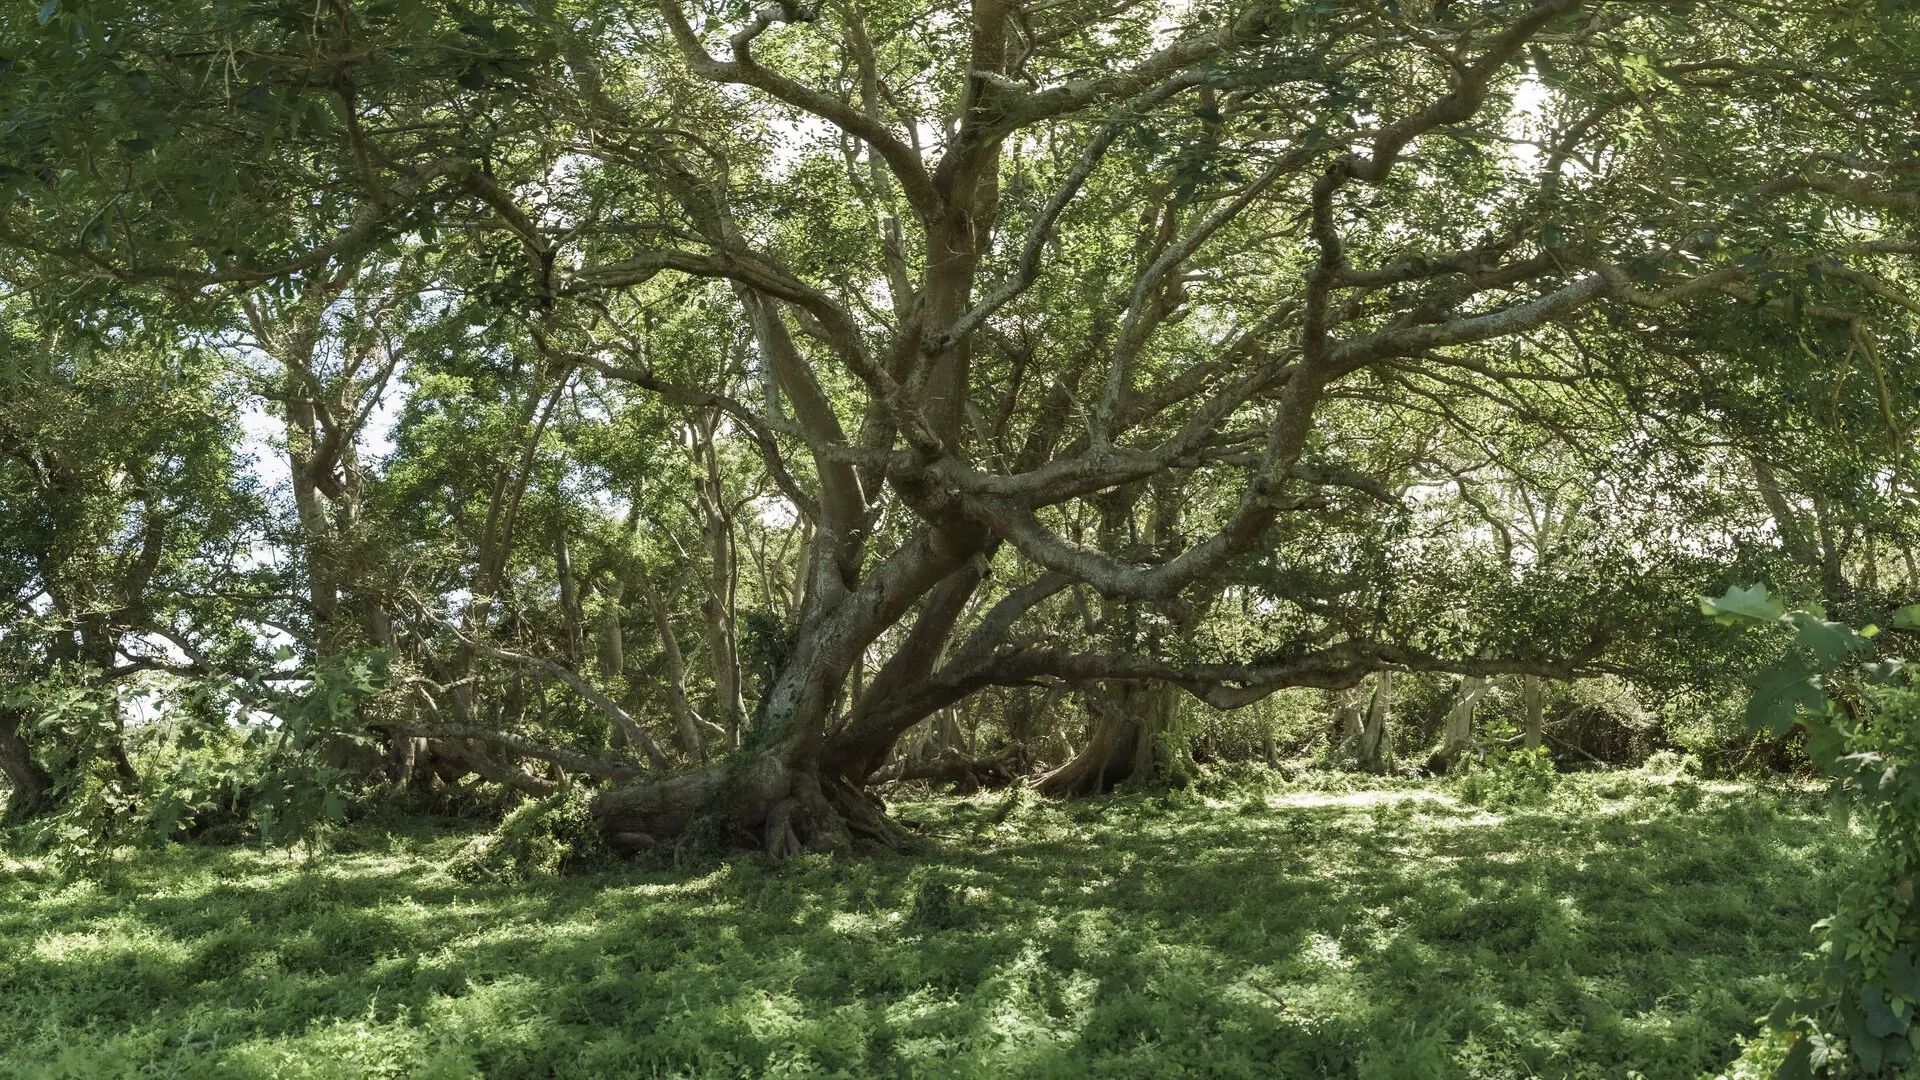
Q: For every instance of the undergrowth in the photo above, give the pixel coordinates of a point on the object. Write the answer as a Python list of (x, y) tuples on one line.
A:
[(1617, 925), (540, 836)]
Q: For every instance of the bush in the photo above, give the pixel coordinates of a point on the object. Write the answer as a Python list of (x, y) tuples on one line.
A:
[(1861, 719), (1671, 763), (1516, 777), (542, 837)]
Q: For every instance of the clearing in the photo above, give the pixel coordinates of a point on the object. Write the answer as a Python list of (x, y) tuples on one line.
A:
[(1627, 923)]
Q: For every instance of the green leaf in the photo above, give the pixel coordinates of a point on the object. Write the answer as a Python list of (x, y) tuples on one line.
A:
[(1906, 974), (1830, 642), (1799, 1062), (1752, 603), (1869, 1049), (1883, 1020), (1779, 693), (1825, 745), (1883, 672)]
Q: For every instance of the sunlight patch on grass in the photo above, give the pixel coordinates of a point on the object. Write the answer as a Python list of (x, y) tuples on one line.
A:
[(1391, 933), (1360, 798)]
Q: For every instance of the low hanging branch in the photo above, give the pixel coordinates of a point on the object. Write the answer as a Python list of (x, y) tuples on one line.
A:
[(566, 759), (607, 705)]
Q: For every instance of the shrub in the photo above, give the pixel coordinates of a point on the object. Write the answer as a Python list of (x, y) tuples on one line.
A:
[(1861, 717), (541, 837), (1509, 777)]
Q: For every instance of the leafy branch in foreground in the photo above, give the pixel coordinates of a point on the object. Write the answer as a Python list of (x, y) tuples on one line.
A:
[(1861, 716)]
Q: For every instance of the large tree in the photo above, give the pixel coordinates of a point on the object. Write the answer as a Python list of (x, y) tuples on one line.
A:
[(1127, 310)]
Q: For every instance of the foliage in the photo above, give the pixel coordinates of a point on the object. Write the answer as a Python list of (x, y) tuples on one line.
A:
[(625, 372), (96, 800), (1862, 719), (299, 795), (539, 837), (1254, 934), (1509, 776)]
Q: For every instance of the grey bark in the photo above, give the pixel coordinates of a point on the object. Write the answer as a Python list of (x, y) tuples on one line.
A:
[(1459, 729), (1370, 752)]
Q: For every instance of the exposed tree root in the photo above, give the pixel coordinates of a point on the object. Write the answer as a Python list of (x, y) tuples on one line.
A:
[(966, 774)]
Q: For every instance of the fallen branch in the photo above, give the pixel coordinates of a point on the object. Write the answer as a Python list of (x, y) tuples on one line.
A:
[(566, 759), (635, 733)]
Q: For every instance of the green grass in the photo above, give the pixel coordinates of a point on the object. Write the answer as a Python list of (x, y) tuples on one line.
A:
[(1625, 926)]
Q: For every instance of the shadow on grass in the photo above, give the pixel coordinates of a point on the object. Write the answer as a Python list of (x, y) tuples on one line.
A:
[(1387, 934)]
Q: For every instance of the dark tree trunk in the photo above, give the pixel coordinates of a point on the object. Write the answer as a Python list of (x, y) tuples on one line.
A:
[(1128, 719), (31, 785)]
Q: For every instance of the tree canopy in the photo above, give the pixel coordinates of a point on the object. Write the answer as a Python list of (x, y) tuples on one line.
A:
[(704, 400)]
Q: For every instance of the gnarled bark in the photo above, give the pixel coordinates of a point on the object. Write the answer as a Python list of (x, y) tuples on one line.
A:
[(1459, 732), (1128, 717)]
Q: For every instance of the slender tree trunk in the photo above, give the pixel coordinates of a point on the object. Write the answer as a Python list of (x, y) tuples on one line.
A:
[(610, 637), (569, 599), (1370, 753), (801, 569), (1532, 697), (722, 643), (1832, 550), (684, 718), (1787, 521)]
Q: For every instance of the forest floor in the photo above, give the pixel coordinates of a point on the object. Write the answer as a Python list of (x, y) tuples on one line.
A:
[(1626, 925)]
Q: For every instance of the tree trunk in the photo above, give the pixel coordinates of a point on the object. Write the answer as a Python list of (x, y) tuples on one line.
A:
[(31, 785), (1128, 719), (611, 638), (1459, 734), (723, 646), (570, 610), (315, 531), (1347, 726), (1787, 521), (684, 718), (1370, 751), (1530, 694), (807, 789)]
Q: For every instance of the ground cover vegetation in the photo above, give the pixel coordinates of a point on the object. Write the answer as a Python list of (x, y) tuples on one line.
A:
[(1627, 923), (664, 429)]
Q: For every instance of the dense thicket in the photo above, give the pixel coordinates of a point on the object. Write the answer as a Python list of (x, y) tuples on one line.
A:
[(743, 410)]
